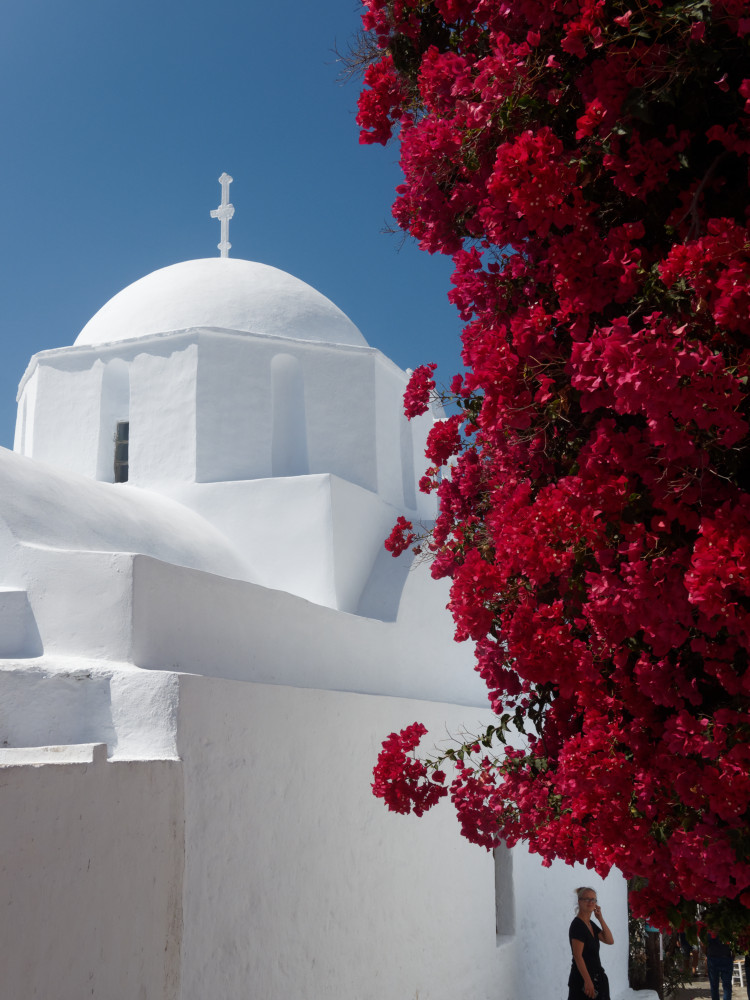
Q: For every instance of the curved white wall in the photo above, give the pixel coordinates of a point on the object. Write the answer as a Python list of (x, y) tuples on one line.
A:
[(44, 509)]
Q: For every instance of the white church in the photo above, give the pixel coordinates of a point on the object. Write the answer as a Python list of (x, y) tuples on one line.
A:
[(203, 643)]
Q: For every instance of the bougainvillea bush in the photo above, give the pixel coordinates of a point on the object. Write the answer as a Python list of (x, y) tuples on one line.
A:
[(585, 163)]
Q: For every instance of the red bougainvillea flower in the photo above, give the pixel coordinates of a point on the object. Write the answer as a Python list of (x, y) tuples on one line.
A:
[(586, 167), (417, 395), (401, 779), (400, 537)]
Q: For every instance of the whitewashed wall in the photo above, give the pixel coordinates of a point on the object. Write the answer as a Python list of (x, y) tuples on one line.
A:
[(295, 881), (325, 554), (91, 858), (191, 621), (211, 406), (298, 883)]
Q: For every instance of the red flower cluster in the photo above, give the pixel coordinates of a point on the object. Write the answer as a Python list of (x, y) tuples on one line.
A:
[(586, 166), (418, 391), (401, 537), (401, 779), (384, 94)]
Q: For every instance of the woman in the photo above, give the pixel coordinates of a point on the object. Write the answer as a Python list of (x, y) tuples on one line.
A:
[(587, 977)]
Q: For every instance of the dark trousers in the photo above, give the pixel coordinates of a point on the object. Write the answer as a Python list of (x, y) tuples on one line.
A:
[(720, 969)]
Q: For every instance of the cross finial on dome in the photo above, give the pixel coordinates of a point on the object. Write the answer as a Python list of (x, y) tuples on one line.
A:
[(224, 213)]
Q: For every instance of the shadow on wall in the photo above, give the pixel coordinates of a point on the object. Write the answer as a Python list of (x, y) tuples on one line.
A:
[(19, 635), (382, 594)]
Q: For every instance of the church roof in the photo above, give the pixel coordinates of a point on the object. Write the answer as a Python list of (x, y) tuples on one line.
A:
[(226, 293), (50, 508)]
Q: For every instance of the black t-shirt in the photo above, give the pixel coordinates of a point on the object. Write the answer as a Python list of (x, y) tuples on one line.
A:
[(715, 948), (578, 931)]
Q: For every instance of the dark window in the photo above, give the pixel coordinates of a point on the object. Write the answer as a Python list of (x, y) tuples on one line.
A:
[(121, 451)]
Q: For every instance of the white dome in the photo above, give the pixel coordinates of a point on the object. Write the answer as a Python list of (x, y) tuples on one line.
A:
[(225, 293)]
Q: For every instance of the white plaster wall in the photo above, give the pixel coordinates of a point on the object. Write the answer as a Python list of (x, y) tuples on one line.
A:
[(23, 441), (91, 867), (233, 419), (73, 388), (19, 635), (81, 601), (45, 507), (400, 442), (76, 407), (545, 906), (298, 883), (144, 714), (235, 408), (384, 593), (341, 413), (66, 418), (289, 451), (360, 521), (352, 405), (314, 536), (282, 528), (195, 622), (200, 410), (389, 389), (41, 706), (72, 700), (86, 603), (11, 574), (163, 415)]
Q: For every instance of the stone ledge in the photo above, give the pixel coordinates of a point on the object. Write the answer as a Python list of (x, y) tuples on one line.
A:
[(74, 753)]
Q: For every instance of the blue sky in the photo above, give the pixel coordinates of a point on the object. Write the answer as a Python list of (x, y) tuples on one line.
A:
[(118, 116)]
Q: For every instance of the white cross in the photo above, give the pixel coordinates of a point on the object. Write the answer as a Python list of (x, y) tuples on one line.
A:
[(224, 213)]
